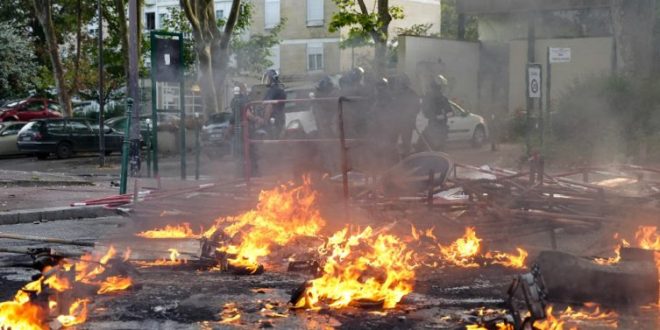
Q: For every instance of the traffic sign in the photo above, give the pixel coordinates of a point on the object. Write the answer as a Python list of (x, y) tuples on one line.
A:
[(559, 55), (534, 81)]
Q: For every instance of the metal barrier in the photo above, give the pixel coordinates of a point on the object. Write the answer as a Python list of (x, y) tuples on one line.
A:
[(340, 140)]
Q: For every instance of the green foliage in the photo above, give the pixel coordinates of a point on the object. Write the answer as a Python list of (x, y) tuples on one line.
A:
[(449, 23), (605, 119), (17, 64), (250, 54), (362, 28)]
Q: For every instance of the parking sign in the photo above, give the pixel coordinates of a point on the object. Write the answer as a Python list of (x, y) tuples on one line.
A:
[(534, 81)]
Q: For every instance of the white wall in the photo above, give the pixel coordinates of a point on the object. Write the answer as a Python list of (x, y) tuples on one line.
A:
[(420, 57), (589, 57)]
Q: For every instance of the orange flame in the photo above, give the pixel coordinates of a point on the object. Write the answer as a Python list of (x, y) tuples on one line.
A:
[(20, 313), (362, 267), (114, 283), (77, 313), (550, 322), (173, 261), (591, 312), (170, 231), (281, 215), (647, 238), (230, 313), (464, 251)]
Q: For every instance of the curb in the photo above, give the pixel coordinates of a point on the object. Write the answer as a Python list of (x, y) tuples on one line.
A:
[(54, 214), (37, 183)]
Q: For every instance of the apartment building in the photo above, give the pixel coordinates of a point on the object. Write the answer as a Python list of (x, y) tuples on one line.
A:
[(307, 50)]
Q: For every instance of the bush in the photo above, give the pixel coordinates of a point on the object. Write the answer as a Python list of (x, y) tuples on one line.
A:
[(603, 119)]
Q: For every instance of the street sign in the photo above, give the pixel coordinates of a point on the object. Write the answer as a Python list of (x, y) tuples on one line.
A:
[(559, 55), (534, 81)]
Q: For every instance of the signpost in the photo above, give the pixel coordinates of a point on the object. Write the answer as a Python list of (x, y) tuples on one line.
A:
[(534, 83), (167, 66)]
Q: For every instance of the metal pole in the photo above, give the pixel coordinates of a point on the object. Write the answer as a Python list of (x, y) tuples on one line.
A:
[(133, 68), (548, 96), (125, 149), (154, 106), (182, 105), (342, 144), (247, 160), (197, 146), (531, 46), (101, 87)]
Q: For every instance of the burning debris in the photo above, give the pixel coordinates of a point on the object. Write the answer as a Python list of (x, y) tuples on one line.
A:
[(61, 294), (466, 251), (174, 260), (170, 231), (366, 268), (282, 215)]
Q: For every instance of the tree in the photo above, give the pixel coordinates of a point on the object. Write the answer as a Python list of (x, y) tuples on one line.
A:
[(211, 46), (449, 23), (363, 24), (18, 66), (44, 12)]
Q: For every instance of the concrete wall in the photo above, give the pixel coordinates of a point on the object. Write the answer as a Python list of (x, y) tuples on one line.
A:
[(423, 57), (590, 57)]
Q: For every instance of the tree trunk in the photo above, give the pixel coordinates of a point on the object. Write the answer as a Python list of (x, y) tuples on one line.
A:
[(43, 9), (76, 64), (120, 8), (211, 47), (633, 23)]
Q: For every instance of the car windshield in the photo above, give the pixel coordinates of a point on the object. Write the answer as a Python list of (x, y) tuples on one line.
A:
[(219, 118)]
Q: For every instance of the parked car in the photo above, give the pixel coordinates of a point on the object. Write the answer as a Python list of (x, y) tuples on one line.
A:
[(215, 131), (119, 125), (464, 126), (31, 108), (64, 137), (8, 135)]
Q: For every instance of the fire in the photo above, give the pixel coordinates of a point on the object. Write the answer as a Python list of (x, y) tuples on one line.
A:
[(510, 260), (230, 313), (20, 313), (464, 252), (170, 231), (114, 283), (591, 313), (24, 313), (647, 238), (365, 267), (281, 215), (172, 261), (77, 313), (550, 322)]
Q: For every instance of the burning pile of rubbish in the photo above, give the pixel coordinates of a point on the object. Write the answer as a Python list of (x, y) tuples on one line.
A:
[(59, 297), (374, 267)]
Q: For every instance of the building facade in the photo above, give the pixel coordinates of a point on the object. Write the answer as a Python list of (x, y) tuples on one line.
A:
[(307, 49)]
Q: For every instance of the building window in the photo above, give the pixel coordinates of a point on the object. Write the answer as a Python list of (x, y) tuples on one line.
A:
[(220, 14), (314, 57), (151, 21), (161, 20), (271, 13), (314, 12)]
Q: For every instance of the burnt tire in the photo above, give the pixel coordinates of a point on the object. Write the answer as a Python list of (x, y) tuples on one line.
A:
[(478, 137), (64, 150), (42, 155)]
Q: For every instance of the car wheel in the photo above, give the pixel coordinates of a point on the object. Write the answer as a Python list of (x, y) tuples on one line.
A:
[(478, 137), (42, 155), (64, 150)]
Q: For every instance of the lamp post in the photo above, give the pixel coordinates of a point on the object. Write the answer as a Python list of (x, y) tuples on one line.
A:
[(195, 89)]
